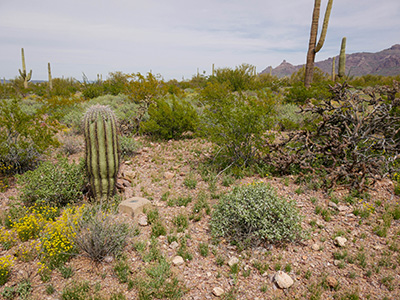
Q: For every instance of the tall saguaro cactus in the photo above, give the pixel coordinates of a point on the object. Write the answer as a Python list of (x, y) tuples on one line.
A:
[(333, 69), (342, 59), (101, 144), (313, 46), (26, 77)]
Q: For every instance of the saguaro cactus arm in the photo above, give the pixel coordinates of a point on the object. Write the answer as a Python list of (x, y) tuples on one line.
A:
[(342, 59), (313, 47), (101, 146)]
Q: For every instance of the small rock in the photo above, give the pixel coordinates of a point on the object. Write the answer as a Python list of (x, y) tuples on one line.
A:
[(340, 241), (333, 205), (336, 262), (217, 291), (108, 259), (142, 221), (283, 280), (168, 175), (233, 260), (174, 245), (343, 208), (316, 247), (178, 260), (331, 281)]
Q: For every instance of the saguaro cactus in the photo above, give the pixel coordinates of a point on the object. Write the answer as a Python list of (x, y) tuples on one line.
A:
[(313, 47), (342, 59), (50, 78), (333, 69), (102, 155), (26, 77)]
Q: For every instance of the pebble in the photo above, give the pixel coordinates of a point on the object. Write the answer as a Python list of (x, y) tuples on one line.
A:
[(174, 245), (233, 260), (142, 221), (340, 241), (177, 261), (316, 247), (217, 291), (108, 259), (283, 280), (168, 175)]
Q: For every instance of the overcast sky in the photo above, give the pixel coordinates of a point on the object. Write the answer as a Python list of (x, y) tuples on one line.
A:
[(175, 38)]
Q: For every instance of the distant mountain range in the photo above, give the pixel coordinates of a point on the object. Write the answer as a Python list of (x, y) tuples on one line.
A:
[(385, 62)]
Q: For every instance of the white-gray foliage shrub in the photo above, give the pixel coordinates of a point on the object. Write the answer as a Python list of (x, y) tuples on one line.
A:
[(252, 214)]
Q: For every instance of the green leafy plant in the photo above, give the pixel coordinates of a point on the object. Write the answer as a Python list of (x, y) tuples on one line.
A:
[(6, 262), (254, 213), (24, 137), (237, 123), (54, 184), (170, 119)]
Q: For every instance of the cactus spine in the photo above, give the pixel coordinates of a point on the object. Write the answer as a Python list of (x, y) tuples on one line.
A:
[(26, 77), (342, 59), (50, 79), (313, 46), (333, 69), (102, 155)]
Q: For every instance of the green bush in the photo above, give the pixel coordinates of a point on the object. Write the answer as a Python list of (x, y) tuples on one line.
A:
[(240, 79), (24, 137), (54, 184), (128, 146), (255, 213), (170, 120), (238, 123), (299, 94), (99, 235)]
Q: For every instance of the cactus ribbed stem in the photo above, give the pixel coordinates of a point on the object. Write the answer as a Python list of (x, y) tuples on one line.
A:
[(333, 69), (50, 78), (342, 59), (102, 155), (26, 77)]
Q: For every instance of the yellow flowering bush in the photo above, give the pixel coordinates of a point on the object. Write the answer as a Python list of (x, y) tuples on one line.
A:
[(8, 238), (396, 181), (33, 222), (57, 239), (6, 262)]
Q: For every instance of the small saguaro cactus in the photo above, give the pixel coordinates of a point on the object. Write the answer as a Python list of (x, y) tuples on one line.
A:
[(26, 77), (101, 150), (333, 69), (342, 59), (50, 78)]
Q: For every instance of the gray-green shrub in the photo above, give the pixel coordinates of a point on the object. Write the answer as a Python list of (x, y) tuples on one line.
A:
[(255, 213)]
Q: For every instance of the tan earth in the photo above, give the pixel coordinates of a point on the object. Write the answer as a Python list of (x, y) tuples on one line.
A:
[(363, 265)]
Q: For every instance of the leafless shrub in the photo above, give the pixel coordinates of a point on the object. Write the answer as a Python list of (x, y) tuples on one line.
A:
[(355, 139)]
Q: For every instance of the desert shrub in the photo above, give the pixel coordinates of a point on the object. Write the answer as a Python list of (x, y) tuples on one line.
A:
[(128, 146), (56, 244), (127, 113), (237, 123), (65, 87), (55, 184), (159, 283), (100, 234), (289, 117), (145, 88), (254, 214), (299, 94), (354, 141), (23, 137), (239, 79), (115, 83), (6, 262), (34, 220), (170, 120)]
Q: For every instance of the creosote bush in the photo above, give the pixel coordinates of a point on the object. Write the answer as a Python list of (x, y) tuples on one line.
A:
[(170, 119), (254, 214)]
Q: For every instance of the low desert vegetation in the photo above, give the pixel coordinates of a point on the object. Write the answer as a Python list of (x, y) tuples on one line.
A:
[(235, 164)]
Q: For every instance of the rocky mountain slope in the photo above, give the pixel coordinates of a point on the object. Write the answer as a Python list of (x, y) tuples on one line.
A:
[(385, 62)]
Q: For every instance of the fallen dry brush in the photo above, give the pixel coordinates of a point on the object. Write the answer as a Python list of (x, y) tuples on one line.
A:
[(354, 138)]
